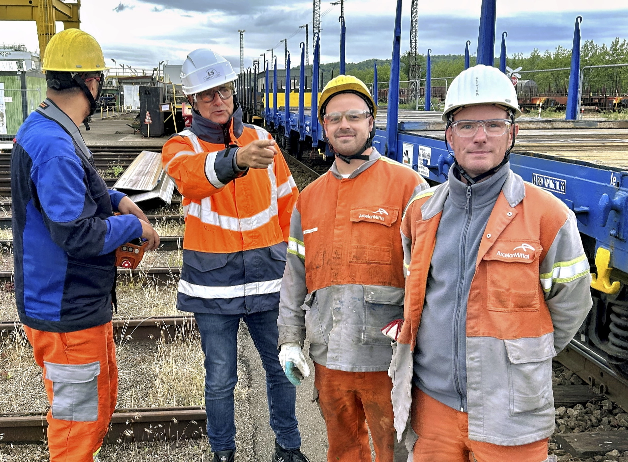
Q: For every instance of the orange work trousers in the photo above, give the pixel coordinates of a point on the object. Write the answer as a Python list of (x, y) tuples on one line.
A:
[(350, 400), (81, 379), (444, 435)]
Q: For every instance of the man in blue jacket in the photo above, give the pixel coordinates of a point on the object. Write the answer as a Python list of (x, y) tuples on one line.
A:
[(65, 235)]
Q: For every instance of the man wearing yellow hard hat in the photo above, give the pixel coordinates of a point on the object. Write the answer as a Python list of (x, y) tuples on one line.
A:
[(349, 284), (65, 235)]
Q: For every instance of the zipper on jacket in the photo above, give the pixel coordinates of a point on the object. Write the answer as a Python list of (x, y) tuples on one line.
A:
[(459, 290), (226, 135)]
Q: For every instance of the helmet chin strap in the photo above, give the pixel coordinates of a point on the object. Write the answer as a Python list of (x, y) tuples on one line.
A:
[(473, 180), (88, 94)]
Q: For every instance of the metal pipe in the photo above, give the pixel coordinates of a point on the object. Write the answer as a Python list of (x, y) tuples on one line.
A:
[(286, 113), (267, 101), (575, 78), (302, 93), (502, 56), (393, 91), (314, 106), (428, 82), (343, 32), (375, 89), (486, 42), (275, 112)]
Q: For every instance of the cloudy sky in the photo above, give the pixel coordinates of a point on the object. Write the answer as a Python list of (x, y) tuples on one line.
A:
[(141, 33)]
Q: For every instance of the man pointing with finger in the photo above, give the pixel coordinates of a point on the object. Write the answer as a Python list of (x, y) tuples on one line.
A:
[(238, 199)]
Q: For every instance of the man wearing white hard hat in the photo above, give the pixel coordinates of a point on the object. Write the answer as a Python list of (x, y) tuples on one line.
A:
[(498, 283), (238, 196)]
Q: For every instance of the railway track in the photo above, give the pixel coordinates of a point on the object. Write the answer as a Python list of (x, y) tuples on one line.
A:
[(5, 222), (169, 423)]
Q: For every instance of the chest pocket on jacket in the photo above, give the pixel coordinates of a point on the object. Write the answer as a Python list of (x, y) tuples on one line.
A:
[(513, 276), (372, 231)]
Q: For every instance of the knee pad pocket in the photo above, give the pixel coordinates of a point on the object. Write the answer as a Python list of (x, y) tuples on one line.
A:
[(75, 391)]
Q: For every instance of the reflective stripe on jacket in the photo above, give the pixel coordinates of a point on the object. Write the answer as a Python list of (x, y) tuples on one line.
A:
[(529, 295), (236, 223), (344, 278)]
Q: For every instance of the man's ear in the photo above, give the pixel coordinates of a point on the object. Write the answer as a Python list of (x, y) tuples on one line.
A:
[(93, 85), (449, 135)]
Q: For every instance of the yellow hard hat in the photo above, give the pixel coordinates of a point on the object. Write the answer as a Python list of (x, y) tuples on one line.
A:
[(345, 84), (73, 50)]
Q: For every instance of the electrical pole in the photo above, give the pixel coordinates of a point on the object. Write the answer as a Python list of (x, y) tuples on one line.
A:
[(285, 59), (342, 7), (241, 50), (316, 23), (307, 55), (272, 56), (414, 22)]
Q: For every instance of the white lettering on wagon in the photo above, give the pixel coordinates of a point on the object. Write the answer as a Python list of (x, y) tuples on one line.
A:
[(549, 183)]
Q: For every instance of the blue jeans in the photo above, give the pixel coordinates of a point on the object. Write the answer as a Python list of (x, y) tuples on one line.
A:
[(219, 343)]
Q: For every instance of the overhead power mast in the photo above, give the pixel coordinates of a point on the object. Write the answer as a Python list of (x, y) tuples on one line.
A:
[(241, 49), (316, 21), (414, 30)]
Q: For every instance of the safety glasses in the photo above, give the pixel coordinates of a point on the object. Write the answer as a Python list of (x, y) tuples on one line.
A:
[(492, 127), (207, 96), (352, 116)]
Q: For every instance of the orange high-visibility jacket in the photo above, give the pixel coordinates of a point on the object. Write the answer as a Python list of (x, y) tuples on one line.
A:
[(236, 222), (529, 294), (349, 283)]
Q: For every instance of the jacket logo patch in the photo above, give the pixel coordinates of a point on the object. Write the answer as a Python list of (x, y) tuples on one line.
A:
[(524, 247), (308, 231), (513, 255), (376, 215), (372, 216), (385, 216)]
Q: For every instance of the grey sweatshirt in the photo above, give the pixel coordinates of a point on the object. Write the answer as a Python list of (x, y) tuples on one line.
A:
[(440, 354)]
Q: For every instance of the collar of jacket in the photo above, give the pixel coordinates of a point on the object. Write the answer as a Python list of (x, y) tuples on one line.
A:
[(214, 133), (51, 111), (373, 156), (482, 193), (513, 190)]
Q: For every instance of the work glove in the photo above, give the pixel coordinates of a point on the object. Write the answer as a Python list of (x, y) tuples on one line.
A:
[(293, 362)]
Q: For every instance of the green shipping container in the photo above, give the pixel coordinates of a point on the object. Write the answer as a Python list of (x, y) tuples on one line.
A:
[(23, 91)]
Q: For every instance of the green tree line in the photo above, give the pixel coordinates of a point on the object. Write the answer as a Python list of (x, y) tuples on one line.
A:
[(607, 80)]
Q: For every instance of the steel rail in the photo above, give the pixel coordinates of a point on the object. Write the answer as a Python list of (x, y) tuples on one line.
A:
[(159, 275), (593, 368), (130, 425), (154, 328), (7, 203), (5, 222), (167, 243)]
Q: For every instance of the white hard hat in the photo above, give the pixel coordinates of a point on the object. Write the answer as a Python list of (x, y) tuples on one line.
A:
[(203, 69), (481, 85)]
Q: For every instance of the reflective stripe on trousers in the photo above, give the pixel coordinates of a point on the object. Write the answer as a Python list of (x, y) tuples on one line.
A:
[(81, 380)]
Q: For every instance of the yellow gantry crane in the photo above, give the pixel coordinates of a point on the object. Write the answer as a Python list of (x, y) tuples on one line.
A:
[(44, 13)]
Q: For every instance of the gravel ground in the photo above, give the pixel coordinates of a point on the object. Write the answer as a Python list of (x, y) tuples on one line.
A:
[(254, 438), (173, 375)]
